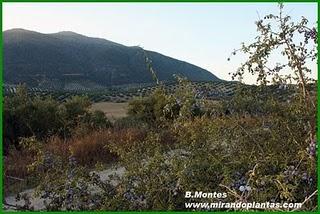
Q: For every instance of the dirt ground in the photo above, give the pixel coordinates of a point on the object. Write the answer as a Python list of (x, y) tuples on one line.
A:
[(39, 204), (112, 110)]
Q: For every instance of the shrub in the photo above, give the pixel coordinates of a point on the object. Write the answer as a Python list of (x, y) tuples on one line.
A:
[(130, 122), (44, 117), (161, 107), (149, 109)]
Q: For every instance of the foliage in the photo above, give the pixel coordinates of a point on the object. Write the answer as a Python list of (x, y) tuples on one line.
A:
[(130, 121), (256, 146), (149, 109), (161, 106), (251, 157), (27, 115), (46, 117), (254, 101), (70, 186), (219, 155), (277, 33)]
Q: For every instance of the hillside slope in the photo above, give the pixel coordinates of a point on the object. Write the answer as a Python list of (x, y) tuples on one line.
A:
[(67, 60)]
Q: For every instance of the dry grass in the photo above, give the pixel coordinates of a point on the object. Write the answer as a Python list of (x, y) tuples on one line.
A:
[(16, 171), (58, 146), (112, 110), (91, 149), (15, 164)]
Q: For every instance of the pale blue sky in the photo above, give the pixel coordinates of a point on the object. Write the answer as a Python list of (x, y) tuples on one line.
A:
[(203, 34)]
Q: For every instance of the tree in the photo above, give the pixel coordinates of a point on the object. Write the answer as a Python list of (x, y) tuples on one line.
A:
[(277, 33), (296, 41)]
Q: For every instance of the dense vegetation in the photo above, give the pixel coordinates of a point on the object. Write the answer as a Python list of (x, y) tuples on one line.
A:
[(255, 146), (44, 117), (170, 143)]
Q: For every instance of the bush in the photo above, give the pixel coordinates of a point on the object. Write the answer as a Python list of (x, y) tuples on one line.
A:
[(161, 107), (26, 117), (149, 109), (45, 117), (223, 155), (97, 120), (130, 122)]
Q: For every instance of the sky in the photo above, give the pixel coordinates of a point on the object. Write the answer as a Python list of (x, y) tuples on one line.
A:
[(203, 34)]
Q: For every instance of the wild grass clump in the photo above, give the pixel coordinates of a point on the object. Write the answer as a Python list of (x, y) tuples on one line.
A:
[(92, 148)]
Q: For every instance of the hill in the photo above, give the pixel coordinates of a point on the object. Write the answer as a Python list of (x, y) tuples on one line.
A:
[(67, 60)]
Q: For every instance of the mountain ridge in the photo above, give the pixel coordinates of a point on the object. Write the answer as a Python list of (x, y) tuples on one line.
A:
[(39, 59)]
